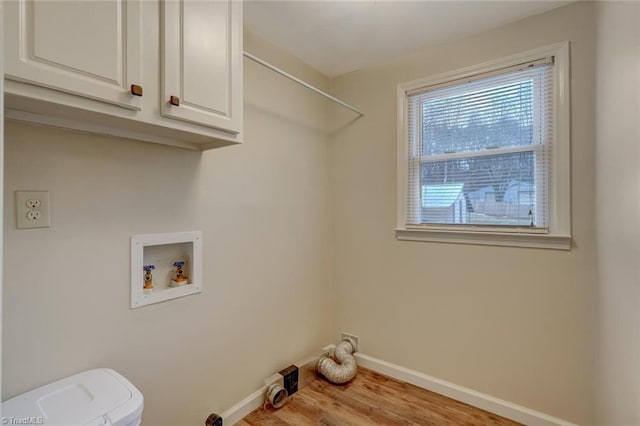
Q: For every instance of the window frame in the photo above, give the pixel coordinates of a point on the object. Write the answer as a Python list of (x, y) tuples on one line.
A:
[(558, 235)]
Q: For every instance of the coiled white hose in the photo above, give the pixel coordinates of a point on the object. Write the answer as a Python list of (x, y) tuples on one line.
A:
[(344, 370)]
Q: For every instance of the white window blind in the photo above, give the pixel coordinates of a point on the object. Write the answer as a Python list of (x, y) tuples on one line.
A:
[(479, 150)]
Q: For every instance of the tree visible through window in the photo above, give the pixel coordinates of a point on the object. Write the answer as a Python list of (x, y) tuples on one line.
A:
[(479, 150)]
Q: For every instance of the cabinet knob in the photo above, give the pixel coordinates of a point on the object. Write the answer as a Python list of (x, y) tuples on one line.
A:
[(136, 90), (174, 100)]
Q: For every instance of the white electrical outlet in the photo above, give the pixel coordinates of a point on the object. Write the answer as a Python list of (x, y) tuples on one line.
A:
[(33, 203), (32, 209), (34, 215)]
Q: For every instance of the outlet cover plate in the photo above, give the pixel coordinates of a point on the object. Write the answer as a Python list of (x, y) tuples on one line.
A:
[(353, 337), (25, 208)]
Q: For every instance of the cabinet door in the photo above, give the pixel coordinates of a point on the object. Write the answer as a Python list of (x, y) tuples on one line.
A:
[(202, 62), (87, 48)]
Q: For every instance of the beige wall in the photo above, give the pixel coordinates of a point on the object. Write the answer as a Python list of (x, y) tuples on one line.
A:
[(284, 217), (618, 213), (514, 323), (263, 210)]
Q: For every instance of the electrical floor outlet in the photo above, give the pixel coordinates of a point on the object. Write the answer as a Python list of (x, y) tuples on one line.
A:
[(32, 209), (290, 379)]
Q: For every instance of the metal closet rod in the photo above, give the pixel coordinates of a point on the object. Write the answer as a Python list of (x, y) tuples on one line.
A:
[(301, 82)]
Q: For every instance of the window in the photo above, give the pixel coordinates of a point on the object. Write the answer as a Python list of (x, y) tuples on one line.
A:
[(483, 153)]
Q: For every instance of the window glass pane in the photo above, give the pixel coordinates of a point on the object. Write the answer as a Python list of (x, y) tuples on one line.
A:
[(485, 190), (497, 113)]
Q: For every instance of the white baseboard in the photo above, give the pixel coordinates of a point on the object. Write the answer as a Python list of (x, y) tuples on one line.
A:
[(480, 400), (306, 374), (242, 409)]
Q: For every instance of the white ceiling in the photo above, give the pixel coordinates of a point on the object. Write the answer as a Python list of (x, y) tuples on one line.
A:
[(336, 37)]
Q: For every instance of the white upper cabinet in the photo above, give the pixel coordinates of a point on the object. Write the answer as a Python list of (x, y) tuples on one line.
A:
[(202, 62), (86, 48), (81, 64)]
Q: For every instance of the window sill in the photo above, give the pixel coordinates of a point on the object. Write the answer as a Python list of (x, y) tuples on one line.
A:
[(543, 241)]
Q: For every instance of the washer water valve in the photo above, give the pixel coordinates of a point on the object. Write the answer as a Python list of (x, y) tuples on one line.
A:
[(180, 279), (148, 279)]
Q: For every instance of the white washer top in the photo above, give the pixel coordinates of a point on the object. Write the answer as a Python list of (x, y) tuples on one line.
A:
[(95, 397)]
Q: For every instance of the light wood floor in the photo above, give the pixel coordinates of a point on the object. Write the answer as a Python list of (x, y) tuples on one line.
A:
[(370, 399)]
